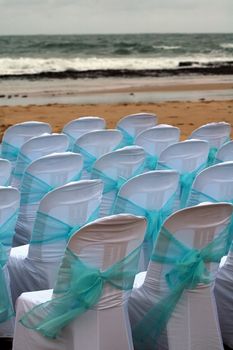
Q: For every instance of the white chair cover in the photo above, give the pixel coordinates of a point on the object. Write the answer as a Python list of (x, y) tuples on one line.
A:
[(9, 205), (194, 321), (131, 125), (152, 191), (95, 144), (78, 127), (35, 266), (215, 133), (5, 172), (214, 184), (15, 136), (106, 325), (35, 148), (41, 176), (119, 165), (188, 158), (155, 140), (225, 152)]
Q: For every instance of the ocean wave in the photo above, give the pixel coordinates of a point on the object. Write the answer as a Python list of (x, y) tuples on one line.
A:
[(165, 47), (226, 45), (28, 65)]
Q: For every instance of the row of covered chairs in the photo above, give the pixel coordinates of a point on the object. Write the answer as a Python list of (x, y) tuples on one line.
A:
[(136, 193), (221, 180)]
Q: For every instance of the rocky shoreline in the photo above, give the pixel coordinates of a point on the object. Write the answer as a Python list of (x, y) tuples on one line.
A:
[(184, 68)]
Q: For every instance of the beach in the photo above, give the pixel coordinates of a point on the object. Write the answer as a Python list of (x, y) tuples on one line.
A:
[(187, 103)]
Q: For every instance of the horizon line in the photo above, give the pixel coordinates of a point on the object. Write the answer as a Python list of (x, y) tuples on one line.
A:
[(114, 33)]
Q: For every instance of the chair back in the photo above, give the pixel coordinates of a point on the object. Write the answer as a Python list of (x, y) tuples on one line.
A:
[(156, 139), (188, 158), (183, 238), (215, 133), (40, 177), (214, 184), (16, 135), (225, 153), (35, 148), (115, 168), (133, 124), (60, 211), (95, 144), (78, 127)]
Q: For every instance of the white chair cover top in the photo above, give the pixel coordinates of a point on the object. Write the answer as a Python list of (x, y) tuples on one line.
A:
[(225, 152), (5, 172), (215, 133), (40, 177), (115, 168)]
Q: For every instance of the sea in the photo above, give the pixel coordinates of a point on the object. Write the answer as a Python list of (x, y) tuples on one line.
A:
[(36, 54)]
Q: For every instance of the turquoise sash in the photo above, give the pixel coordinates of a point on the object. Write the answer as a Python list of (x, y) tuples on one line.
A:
[(154, 218), (127, 138), (211, 156), (33, 189), (7, 231), (151, 161), (9, 151), (48, 229), (88, 158), (21, 164), (78, 289), (112, 184), (186, 181), (72, 141), (189, 269)]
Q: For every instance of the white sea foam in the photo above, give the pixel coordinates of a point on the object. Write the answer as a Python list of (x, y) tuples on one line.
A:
[(227, 45), (24, 65)]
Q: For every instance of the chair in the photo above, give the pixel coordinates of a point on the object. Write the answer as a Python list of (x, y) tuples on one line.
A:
[(40, 177), (151, 195), (188, 158), (131, 125), (216, 134), (67, 208), (9, 205), (5, 172), (95, 144), (115, 168), (214, 184), (16, 135), (225, 153), (78, 127), (112, 242), (174, 309), (155, 140), (35, 148)]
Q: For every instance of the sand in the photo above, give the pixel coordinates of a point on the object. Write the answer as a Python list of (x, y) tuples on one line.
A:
[(187, 115)]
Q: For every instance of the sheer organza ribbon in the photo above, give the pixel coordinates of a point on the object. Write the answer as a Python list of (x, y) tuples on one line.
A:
[(33, 188), (88, 158), (189, 269), (22, 162), (154, 217), (111, 184), (127, 138), (7, 231), (78, 289), (72, 141), (9, 151), (151, 161), (211, 156), (48, 229), (186, 181)]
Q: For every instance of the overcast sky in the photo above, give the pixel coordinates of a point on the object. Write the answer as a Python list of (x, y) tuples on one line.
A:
[(114, 16)]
